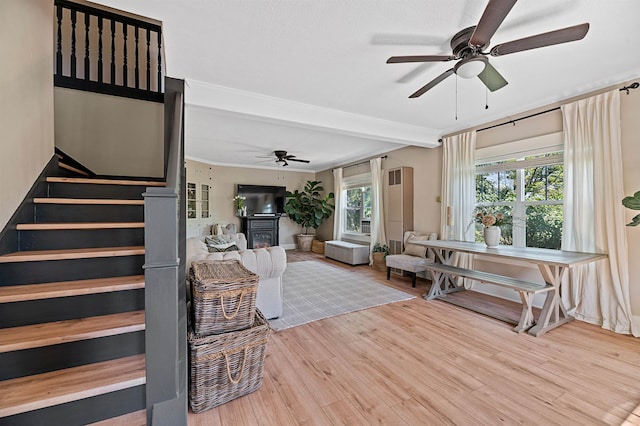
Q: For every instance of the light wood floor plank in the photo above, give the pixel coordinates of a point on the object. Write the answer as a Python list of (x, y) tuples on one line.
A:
[(58, 387), (429, 362), (21, 293), (54, 333)]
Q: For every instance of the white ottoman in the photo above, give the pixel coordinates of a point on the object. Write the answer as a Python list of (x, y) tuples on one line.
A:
[(353, 254)]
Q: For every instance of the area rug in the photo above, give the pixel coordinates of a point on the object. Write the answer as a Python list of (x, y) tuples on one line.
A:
[(314, 291)]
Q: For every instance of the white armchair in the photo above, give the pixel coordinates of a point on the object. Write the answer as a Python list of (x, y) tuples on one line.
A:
[(414, 258)]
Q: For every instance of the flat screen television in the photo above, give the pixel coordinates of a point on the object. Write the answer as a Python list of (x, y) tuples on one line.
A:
[(263, 199)]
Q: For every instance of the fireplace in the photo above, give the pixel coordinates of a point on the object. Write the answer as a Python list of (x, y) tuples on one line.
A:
[(261, 231)]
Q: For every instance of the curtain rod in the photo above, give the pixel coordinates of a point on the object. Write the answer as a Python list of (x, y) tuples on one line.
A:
[(633, 85), (362, 162)]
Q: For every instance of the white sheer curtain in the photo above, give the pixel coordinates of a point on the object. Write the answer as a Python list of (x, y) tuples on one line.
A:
[(377, 206), (339, 201), (594, 219), (458, 187)]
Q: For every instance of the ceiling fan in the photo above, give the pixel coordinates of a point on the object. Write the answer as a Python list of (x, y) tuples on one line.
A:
[(468, 48), (283, 158)]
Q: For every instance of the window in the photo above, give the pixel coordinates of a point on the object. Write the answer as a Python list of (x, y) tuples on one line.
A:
[(358, 209), (529, 191), (204, 202)]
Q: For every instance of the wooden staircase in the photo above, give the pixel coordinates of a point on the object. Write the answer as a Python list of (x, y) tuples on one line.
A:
[(72, 307)]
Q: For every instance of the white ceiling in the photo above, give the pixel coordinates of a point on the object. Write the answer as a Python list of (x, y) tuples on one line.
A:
[(309, 76)]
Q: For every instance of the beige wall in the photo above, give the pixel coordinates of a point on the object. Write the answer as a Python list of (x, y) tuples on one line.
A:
[(26, 103), (223, 182), (98, 131)]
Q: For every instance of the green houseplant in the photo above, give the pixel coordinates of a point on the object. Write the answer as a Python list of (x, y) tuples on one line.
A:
[(633, 203), (309, 208)]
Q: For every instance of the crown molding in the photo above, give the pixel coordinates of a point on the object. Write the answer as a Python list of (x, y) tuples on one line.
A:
[(266, 108)]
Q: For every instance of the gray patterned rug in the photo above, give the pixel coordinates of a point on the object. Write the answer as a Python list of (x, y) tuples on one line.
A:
[(314, 291)]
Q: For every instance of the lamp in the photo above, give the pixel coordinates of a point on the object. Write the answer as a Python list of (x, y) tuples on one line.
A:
[(471, 66)]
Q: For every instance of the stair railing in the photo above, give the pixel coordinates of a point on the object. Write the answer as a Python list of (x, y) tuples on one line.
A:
[(104, 52), (165, 276)]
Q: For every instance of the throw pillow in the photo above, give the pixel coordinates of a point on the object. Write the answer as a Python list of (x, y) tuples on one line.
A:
[(416, 250), (222, 248), (215, 239), (229, 229)]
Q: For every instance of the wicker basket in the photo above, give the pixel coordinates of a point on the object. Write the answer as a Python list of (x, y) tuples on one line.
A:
[(223, 296), (226, 366), (317, 246)]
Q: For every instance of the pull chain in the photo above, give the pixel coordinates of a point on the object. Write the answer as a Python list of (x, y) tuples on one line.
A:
[(486, 97), (456, 97)]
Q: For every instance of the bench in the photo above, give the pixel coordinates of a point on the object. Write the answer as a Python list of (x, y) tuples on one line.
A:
[(526, 290), (343, 251)]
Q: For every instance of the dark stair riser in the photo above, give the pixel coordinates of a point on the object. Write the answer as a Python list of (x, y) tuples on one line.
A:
[(102, 192), (80, 238), (84, 411), (55, 213), (67, 355), (67, 308), (69, 270)]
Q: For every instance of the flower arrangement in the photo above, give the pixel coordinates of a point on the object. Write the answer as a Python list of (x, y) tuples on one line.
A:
[(239, 201), (488, 219)]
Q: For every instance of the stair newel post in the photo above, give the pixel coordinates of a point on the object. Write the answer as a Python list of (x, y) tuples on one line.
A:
[(165, 305)]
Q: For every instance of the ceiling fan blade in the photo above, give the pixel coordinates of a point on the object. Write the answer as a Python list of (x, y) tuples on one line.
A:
[(427, 58), (564, 35), (299, 161), (432, 83), (492, 78), (493, 15)]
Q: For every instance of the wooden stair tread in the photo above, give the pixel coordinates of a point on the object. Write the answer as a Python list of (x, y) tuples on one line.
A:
[(57, 179), (82, 201), (78, 225), (84, 253), (137, 418), (58, 387), (54, 333), (21, 293)]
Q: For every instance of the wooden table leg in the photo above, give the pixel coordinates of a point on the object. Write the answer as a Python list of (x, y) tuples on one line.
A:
[(442, 284), (553, 313)]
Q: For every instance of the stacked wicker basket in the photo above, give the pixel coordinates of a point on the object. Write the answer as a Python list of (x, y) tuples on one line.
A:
[(228, 337)]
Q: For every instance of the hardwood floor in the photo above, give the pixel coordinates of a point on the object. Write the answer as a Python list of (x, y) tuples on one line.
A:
[(428, 363)]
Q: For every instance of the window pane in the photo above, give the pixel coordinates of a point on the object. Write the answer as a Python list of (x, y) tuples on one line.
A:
[(544, 226), (191, 200), (544, 183), (354, 198), (353, 220), (496, 186), (366, 202)]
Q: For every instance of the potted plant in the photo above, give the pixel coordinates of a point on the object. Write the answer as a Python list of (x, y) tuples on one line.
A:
[(380, 252), (308, 208)]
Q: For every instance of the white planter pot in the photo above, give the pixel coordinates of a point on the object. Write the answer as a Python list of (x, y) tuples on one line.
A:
[(492, 236)]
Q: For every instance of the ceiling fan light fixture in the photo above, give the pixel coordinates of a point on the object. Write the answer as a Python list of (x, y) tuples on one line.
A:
[(470, 67)]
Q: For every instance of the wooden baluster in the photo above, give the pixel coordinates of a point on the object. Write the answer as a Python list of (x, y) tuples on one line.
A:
[(159, 61), (73, 44), (125, 74), (59, 42), (137, 69), (87, 61), (113, 51), (148, 60), (100, 49)]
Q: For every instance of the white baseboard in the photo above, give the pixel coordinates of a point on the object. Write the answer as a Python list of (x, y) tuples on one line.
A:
[(288, 246)]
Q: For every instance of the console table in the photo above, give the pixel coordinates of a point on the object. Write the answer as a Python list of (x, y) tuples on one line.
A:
[(261, 231), (553, 264)]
